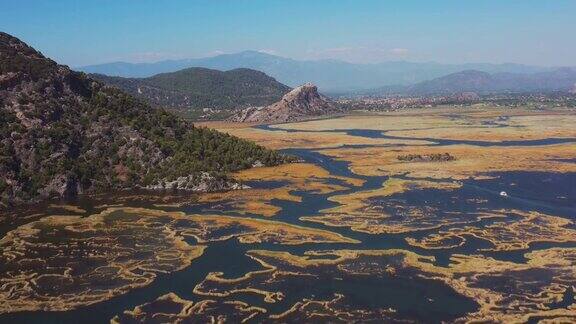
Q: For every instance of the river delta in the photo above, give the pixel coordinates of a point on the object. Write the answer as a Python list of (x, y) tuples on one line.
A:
[(352, 233)]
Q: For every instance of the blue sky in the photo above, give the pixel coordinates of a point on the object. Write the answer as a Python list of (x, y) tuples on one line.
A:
[(450, 31)]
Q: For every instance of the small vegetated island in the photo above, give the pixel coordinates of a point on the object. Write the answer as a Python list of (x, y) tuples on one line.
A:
[(437, 157)]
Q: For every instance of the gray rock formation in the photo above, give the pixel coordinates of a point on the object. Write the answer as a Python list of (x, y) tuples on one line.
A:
[(302, 102)]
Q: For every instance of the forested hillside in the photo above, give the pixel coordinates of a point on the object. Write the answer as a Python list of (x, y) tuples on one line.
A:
[(194, 89), (63, 133)]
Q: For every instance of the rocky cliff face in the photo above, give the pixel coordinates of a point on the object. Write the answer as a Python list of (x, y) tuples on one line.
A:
[(63, 133), (301, 103)]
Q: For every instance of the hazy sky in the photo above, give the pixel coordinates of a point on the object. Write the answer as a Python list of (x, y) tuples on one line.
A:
[(540, 32)]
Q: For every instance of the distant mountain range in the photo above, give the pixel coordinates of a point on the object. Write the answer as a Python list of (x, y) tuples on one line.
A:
[(328, 75), (563, 79), (203, 88), (191, 90)]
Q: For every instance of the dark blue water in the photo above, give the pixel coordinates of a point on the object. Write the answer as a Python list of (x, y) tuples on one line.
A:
[(370, 133)]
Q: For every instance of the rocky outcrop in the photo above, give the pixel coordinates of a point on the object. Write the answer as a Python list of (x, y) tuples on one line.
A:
[(301, 103), (203, 182)]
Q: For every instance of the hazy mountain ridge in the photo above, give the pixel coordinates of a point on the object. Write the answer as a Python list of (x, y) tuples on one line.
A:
[(328, 75), (63, 133), (560, 80), (203, 88), (482, 82)]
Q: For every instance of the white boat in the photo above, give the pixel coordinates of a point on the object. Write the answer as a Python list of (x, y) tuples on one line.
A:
[(503, 194)]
